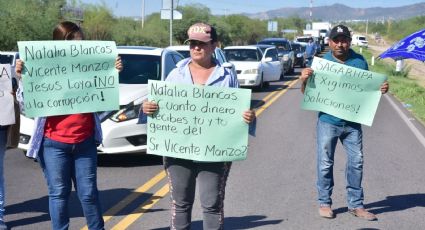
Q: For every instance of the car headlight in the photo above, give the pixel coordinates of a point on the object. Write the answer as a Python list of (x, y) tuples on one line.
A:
[(251, 71), (300, 55), (285, 57), (131, 111)]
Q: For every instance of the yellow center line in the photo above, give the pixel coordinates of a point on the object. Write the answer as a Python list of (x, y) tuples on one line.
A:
[(142, 209), (269, 102), (133, 196), (270, 95)]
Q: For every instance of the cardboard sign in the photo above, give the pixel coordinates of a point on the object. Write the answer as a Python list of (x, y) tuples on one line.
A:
[(68, 77), (202, 123), (346, 92), (7, 112)]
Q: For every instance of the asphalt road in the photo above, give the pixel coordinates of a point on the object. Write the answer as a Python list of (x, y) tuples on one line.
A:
[(273, 189)]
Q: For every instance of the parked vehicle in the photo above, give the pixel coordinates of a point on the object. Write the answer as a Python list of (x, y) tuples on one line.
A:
[(253, 66), (324, 29), (9, 57), (284, 50), (359, 40), (121, 133), (300, 56), (218, 54)]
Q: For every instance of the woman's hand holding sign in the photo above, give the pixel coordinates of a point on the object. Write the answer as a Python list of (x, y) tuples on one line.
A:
[(149, 107), (18, 68), (249, 116)]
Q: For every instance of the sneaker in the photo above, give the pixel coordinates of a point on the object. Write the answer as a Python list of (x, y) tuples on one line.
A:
[(362, 213), (326, 212), (3, 226)]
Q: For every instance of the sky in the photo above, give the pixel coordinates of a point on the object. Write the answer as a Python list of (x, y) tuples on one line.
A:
[(133, 8)]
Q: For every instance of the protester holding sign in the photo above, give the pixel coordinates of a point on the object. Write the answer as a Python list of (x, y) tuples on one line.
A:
[(7, 119), (65, 146), (199, 69), (331, 128)]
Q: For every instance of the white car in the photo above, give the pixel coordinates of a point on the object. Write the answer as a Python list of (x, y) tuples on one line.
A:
[(121, 133), (9, 57), (359, 40), (255, 68), (218, 54)]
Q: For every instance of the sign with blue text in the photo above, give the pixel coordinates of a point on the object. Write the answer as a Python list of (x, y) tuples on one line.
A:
[(68, 77), (202, 123)]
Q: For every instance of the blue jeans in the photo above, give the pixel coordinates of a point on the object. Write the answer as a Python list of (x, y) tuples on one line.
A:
[(3, 140), (351, 138), (63, 164), (309, 61)]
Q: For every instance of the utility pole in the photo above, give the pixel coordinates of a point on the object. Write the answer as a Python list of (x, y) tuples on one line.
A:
[(311, 11), (143, 13), (367, 24), (171, 22)]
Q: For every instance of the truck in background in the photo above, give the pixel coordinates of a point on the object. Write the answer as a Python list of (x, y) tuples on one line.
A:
[(323, 28)]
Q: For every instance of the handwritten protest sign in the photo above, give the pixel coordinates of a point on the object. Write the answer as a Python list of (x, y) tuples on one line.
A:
[(202, 123), (67, 77), (7, 113), (343, 91)]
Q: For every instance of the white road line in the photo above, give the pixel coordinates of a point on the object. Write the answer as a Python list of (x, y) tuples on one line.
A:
[(412, 127)]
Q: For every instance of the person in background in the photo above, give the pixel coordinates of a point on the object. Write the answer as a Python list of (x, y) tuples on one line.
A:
[(331, 128), (66, 147), (199, 69), (310, 51)]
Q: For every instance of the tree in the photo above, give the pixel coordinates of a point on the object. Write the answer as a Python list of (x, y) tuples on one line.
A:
[(98, 22), (20, 24), (191, 14)]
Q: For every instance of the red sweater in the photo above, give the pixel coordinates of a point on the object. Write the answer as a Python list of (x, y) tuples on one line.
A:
[(70, 129)]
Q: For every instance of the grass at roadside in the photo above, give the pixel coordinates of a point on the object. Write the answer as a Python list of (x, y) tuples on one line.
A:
[(411, 94)]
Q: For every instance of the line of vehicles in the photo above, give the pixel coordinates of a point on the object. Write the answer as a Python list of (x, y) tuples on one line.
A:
[(255, 66)]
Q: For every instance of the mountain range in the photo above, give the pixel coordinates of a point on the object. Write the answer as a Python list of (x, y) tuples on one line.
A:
[(340, 12)]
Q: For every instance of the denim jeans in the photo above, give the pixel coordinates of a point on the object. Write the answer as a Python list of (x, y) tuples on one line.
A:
[(211, 176), (309, 61), (63, 164), (3, 140), (351, 138)]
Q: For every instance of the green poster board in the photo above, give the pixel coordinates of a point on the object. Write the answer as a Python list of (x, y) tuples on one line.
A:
[(343, 91), (202, 123), (68, 77)]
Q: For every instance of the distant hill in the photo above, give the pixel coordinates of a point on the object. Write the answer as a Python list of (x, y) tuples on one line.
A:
[(339, 12)]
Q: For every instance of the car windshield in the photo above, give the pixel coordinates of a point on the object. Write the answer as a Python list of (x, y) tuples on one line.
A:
[(303, 40), (298, 47), (138, 69), (6, 59), (242, 55), (280, 45), (185, 53)]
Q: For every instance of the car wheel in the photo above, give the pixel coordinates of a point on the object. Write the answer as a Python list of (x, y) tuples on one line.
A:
[(261, 84)]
